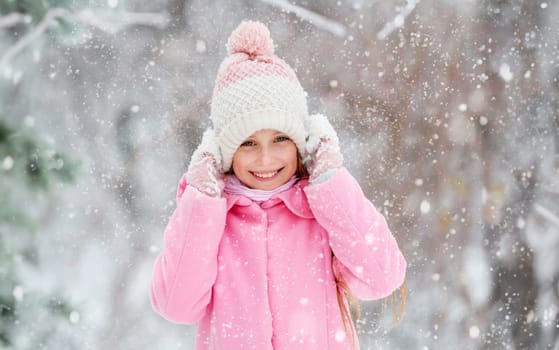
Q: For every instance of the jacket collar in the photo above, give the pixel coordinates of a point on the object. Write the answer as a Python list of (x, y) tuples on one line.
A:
[(294, 199)]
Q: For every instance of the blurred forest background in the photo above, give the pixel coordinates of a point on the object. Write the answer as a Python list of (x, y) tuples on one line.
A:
[(448, 114)]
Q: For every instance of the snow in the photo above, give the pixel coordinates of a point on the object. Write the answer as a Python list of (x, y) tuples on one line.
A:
[(505, 72), (447, 116), (340, 336), (425, 206)]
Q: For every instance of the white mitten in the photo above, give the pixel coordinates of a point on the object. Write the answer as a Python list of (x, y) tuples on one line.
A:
[(204, 171), (323, 148)]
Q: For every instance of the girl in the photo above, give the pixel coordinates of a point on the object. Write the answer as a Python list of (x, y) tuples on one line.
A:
[(261, 247)]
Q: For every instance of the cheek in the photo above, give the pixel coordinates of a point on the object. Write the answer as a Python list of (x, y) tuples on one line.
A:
[(292, 157), (243, 159), (238, 162)]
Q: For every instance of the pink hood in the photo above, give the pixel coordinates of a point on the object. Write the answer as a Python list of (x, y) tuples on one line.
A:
[(262, 276)]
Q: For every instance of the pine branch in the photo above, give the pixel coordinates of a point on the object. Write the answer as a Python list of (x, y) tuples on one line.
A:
[(115, 23), (319, 21)]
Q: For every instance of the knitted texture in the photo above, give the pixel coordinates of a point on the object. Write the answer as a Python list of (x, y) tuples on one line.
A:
[(255, 90), (203, 171), (324, 156)]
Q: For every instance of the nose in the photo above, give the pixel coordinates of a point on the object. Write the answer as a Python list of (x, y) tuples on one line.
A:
[(265, 156)]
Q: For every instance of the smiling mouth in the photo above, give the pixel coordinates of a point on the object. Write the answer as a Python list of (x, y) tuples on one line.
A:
[(266, 175)]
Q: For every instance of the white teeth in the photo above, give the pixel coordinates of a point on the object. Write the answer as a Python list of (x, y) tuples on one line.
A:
[(265, 175)]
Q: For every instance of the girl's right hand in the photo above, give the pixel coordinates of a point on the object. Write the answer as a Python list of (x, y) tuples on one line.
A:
[(323, 148), (204, 172)]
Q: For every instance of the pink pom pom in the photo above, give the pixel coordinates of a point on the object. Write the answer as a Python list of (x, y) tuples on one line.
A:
[(251, 38)]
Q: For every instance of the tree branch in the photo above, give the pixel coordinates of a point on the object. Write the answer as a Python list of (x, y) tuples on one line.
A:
[(546, 214), (115, 23), (111, 22), (398, 21), (319, 21), (12, 19), (47, 20), (551, 190)]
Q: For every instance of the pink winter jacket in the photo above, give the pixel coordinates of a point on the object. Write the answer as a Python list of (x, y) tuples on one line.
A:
[(261, 276)]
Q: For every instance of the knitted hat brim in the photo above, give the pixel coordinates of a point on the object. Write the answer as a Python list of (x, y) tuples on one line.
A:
[(243, 126)]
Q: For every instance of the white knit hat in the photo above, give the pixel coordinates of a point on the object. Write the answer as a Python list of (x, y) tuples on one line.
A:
[(255, 90)]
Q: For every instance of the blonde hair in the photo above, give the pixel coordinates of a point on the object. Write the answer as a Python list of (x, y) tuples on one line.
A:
[(346, 301)]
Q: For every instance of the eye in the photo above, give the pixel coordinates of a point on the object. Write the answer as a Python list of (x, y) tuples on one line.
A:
[(281, 138), (248, 143)]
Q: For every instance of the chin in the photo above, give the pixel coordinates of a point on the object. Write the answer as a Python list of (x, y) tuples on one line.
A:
[(266, 187)]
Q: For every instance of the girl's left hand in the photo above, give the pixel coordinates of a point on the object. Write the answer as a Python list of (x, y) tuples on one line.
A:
[(323, 148), (204, 171)]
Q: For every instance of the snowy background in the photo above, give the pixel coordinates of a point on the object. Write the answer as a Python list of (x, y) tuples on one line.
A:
[(448, 112)]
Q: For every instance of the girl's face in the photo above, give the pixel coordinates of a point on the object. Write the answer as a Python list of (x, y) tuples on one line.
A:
[(265, 160)]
